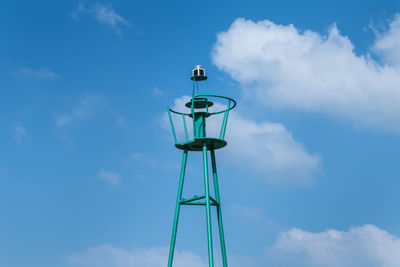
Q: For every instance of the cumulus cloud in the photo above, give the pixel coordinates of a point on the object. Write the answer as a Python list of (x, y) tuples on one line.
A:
[(112, 178), (366, 246), (42, 73), (283, 67), (269, 150), (388, 43), (104, 14), (264, 148), (110, 256)]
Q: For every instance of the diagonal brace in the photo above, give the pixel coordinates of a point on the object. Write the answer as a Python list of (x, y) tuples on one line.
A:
[(184, 201)]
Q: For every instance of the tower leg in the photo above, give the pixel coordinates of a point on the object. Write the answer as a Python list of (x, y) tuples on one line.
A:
[(219, 212), (177, 208), (208, 210)]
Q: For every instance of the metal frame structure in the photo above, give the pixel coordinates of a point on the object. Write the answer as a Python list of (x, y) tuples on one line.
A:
[(199, 111)]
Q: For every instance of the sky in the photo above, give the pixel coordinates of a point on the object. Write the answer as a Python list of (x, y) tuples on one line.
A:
[(88, 168)]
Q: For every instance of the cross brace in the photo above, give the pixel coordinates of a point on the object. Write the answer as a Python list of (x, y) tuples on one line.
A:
[(190, 201)]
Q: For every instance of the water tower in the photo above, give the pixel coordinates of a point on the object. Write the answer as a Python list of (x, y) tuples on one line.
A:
[(198, 110)]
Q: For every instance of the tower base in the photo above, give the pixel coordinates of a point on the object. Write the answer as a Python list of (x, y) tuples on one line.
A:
[(201, 144)]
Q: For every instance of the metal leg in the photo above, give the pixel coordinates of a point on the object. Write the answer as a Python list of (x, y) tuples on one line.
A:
[(219, 212), (177, 208), (208, 211)]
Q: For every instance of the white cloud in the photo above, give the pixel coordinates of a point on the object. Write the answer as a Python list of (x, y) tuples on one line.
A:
[(269, 150), (19, 132), (42, 73), (157, 92), (84, 109), (282, 67), (104, 14), (265, 149), (110, 256), (388, 43), (366, 246), (112, 178)]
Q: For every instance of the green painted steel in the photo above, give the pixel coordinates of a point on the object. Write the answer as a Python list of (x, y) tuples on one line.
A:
[(200, 110), (199, 129), (208, 211), (177, 208), (186, 132), (219, 210), (231, 106), (172, 125), (199, 122)]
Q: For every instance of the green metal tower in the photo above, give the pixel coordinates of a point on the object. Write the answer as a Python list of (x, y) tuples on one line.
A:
[(201, 107)]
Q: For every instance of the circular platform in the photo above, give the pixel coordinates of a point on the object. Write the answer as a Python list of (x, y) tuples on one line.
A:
[(199, 78), (197, 144), (199, 102)]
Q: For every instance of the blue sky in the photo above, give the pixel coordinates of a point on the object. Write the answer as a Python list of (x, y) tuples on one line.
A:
[(88, 169)]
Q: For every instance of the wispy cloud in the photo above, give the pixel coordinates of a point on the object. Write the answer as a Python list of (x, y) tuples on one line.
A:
[(83, 110), (110, 177), (248, 212), (142, 163), (138, 159), (62, 119), (3, 173), (103, 13), (110, 256), (42, 73), (157, 92), (142, 158), (19, 133), (86, 106), (120, 121), (254, 215)]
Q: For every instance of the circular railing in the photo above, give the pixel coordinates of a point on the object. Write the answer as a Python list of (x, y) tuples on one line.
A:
[(202, 104)]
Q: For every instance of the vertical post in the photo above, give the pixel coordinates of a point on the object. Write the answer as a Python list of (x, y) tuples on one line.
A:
[(184, 125), (219, 212), (222, 126), (192, 106), (208, 210), (226, 119), (177, 208), (172, 125)]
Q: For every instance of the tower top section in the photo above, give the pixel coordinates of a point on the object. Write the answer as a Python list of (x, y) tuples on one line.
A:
[(198, 73), (200, 107)]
